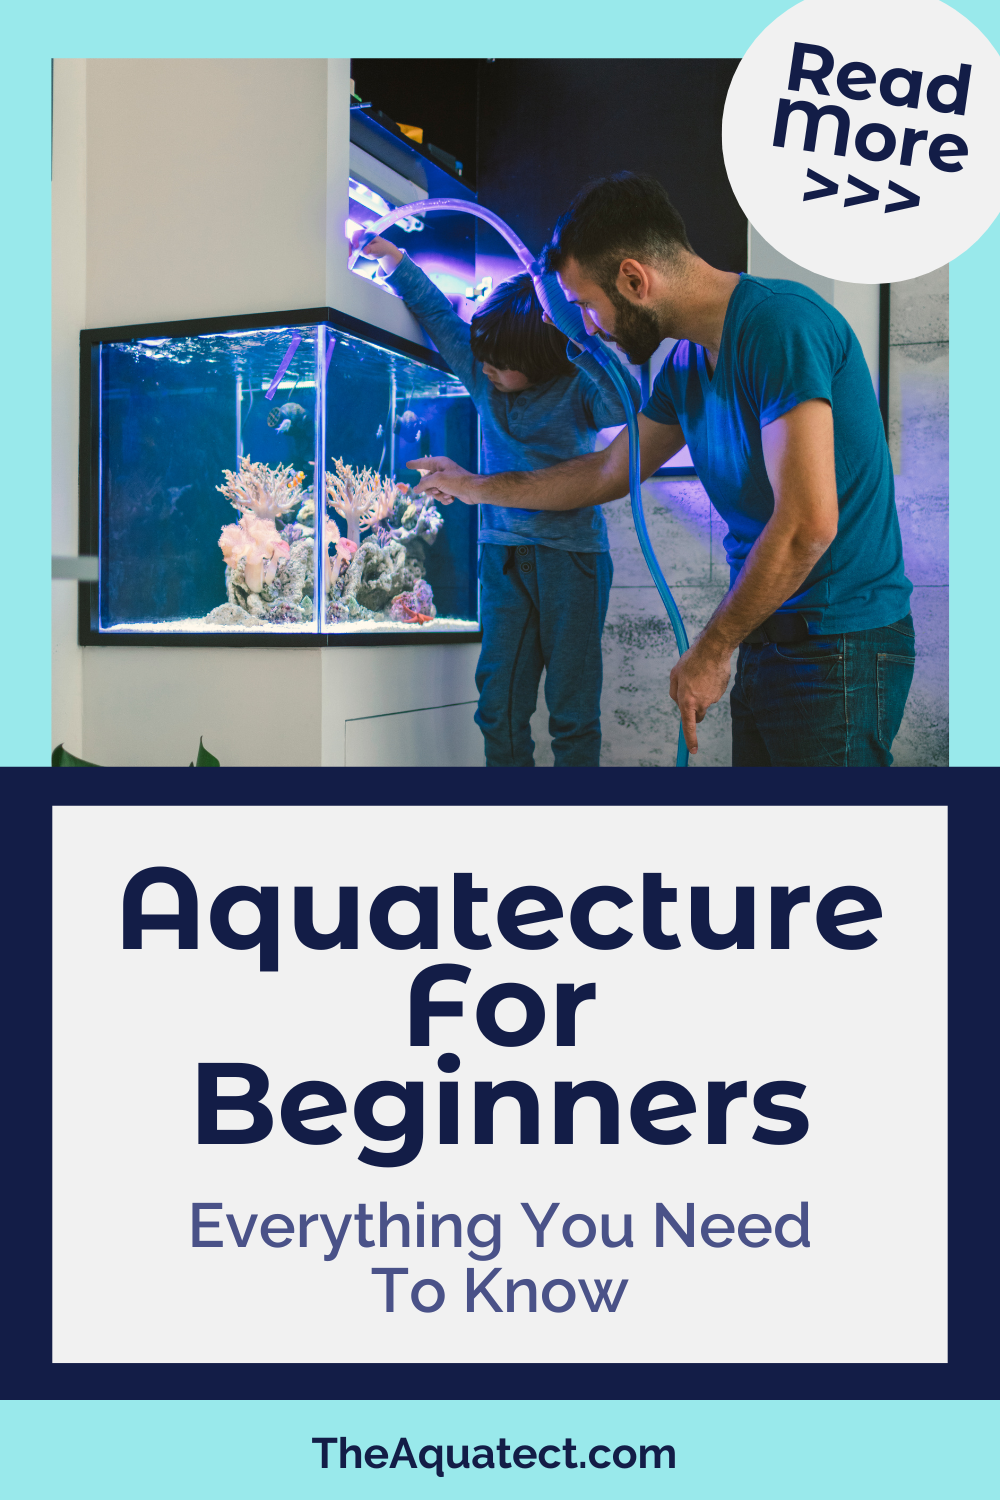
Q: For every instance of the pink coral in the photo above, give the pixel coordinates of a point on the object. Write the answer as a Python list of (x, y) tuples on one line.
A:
[(257, 542), (345, 550), (259, 494)]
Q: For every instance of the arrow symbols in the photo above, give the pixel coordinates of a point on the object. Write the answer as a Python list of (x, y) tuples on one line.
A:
[(824, 191), (867, 196), (912, 199)]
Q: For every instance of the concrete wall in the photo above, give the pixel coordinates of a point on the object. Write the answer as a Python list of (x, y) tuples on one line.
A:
[(640, 723), (198, 188), (918, 441)]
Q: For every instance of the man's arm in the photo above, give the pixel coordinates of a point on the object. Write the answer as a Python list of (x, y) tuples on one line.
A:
[(799, 457), (593, 479)]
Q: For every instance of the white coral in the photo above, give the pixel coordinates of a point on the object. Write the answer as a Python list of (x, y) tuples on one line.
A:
[(362, 499), (260, 490)]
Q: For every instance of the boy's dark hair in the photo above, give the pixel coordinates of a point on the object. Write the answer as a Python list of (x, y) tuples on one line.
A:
[(615, 218), (508, 332)]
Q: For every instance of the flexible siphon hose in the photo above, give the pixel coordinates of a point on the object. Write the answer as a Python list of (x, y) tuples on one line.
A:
[(569, 320)]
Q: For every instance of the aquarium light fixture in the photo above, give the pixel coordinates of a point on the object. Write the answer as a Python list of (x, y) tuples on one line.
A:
[(289, 385), (376, 204), (367, 197)]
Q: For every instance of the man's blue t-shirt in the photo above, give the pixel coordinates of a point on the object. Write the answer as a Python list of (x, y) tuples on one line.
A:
[(782, 344)]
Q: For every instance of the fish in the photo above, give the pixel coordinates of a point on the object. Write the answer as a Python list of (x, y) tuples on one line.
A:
[(284, 418), (174, 492)]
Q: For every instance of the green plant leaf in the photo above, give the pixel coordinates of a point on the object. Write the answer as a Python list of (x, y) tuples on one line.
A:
[(62, 757), (205, 757)]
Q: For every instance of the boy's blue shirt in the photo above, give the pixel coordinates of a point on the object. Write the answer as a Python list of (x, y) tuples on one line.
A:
[(532, 429), (782, 344)]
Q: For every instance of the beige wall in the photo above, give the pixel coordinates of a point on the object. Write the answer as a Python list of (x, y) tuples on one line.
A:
[(364, 705), (202, 188), (206, 188), (69, 315)]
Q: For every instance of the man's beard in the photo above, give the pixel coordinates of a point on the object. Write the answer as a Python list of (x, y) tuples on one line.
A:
[(637, 330)]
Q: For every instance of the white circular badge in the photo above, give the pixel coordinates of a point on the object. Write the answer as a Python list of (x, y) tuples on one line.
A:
[(863, 139)]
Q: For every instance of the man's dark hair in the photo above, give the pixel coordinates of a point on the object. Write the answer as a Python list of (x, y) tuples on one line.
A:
[(508, 332), (617, 218)]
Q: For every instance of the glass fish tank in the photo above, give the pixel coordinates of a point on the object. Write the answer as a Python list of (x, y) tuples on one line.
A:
[(245, 481)]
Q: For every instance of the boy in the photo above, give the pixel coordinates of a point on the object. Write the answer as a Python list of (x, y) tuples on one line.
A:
[(544, 578)]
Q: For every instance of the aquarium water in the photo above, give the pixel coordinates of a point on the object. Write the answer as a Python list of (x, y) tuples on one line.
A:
[(253, 482)]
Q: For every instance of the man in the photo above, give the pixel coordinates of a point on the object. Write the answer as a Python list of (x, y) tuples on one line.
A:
[(768, 386)]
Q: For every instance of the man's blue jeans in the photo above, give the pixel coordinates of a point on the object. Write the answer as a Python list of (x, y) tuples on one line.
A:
[(541, 607), (829, 700)]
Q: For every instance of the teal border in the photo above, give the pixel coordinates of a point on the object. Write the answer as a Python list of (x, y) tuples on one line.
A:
[(103, 28), (874, 1450)]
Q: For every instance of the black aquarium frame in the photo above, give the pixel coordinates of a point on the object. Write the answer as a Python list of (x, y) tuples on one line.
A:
[(89, 632)]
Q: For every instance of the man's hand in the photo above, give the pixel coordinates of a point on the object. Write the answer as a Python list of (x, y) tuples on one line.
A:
[(698, 680), (799, 458), (592, 479), (443, 480)]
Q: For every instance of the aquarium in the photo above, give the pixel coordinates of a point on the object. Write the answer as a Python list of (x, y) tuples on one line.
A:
[(246, 481)]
